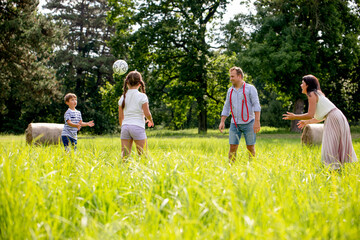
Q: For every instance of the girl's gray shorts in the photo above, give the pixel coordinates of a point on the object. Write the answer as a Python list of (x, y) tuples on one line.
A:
[(132, 132)]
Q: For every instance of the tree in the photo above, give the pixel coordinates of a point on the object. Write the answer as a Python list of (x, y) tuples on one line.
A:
[(28, 85), (295, 38), (168, 40), (84, 60)]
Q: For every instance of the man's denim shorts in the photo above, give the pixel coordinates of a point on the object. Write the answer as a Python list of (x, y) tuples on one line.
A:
[(132, 132), (246, 129)]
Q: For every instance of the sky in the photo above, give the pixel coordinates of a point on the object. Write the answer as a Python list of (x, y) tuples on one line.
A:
[(232, 9)]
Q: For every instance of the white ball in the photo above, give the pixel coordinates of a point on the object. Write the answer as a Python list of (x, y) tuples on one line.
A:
[(120, 67)]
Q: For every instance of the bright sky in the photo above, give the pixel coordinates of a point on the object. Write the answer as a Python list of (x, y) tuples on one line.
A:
[(232, 9)]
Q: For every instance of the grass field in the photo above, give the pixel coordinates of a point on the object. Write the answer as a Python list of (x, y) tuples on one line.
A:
[(184, 189)]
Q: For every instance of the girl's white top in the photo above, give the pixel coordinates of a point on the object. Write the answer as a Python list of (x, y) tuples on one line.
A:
[(323, 107), (133, 113)]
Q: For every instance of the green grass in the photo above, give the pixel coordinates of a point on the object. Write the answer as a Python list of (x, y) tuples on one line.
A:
[(184, 189)]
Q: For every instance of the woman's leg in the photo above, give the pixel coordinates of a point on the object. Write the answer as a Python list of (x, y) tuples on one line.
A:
[(126, 145)]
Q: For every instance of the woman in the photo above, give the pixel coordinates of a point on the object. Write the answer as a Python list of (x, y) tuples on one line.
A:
[(337, 147)]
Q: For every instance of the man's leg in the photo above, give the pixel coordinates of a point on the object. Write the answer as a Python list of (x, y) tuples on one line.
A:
[(250, 137), (251, 149), (234, 139), (232, 152)]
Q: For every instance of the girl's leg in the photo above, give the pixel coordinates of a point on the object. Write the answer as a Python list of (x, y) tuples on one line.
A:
[(141, 146), (126, 145)]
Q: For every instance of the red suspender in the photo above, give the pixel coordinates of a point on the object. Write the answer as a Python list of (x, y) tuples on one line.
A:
[(242, 107), (232, 114)]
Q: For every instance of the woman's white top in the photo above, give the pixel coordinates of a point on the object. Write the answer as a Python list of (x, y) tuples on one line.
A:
[(323, 107), (133, 112)]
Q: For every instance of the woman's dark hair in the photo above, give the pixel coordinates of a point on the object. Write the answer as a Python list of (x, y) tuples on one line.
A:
[(312, 82), (132, 79)]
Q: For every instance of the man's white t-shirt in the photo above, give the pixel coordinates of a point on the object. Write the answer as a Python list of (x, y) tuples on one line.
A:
[(133, 112)]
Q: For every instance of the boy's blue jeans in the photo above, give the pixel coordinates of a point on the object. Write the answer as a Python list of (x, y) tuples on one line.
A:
[(66, 140)]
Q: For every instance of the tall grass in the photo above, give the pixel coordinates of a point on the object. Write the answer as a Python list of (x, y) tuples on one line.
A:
[(184, 189)]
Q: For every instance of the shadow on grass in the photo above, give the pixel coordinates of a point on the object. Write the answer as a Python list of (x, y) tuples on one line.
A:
[(266, 132)]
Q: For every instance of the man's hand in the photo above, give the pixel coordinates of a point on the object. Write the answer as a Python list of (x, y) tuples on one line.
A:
[(256, 126), (221, 126)]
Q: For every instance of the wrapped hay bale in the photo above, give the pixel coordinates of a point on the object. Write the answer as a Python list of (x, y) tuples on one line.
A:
[(45, 133), (312, 134)]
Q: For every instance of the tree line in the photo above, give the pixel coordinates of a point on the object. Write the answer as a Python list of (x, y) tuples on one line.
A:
[(184, 62)]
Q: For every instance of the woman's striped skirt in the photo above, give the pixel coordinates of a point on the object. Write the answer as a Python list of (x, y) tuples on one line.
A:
[(337, 147)]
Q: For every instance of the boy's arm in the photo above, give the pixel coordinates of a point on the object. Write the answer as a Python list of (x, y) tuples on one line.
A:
[(87, 124), (71, 124)]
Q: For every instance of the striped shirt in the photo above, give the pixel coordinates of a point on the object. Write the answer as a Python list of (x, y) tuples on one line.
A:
[(237, 96), (75, 117)]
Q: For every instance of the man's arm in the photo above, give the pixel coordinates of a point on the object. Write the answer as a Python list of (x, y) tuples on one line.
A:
[(225, 113), (257, 122), (254, 97), (222, 123)]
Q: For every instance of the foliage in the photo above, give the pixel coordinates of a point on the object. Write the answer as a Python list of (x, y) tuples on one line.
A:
[(293, 38), (166, 41), (83, 62), (185, 189), (28, 85)]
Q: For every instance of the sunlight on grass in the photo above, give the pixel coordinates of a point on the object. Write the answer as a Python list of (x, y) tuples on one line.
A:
[(184, 189)]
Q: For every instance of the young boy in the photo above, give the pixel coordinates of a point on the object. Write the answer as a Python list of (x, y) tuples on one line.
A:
[(73, 122)]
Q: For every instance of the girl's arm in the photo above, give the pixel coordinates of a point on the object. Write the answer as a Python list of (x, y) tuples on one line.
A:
[(309, 115), (121, 115), (147, 114), (301, 124)]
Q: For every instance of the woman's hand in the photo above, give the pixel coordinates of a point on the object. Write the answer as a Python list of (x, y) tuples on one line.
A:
[(289, 116), (301, 124)]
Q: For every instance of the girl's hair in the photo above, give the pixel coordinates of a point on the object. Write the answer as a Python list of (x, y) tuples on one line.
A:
[(312, 82), (132, 79)]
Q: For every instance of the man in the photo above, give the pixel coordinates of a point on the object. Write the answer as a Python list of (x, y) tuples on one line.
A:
[(244, 106)]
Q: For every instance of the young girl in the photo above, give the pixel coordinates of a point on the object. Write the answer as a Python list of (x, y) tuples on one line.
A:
[(133, 106), (336, 147)]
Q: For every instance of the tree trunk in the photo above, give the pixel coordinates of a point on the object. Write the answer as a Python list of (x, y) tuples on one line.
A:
[(298, 109), (202, 117)]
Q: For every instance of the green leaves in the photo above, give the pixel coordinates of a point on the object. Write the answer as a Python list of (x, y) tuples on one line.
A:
[(168, 44), (294, 38), (28, 84)]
